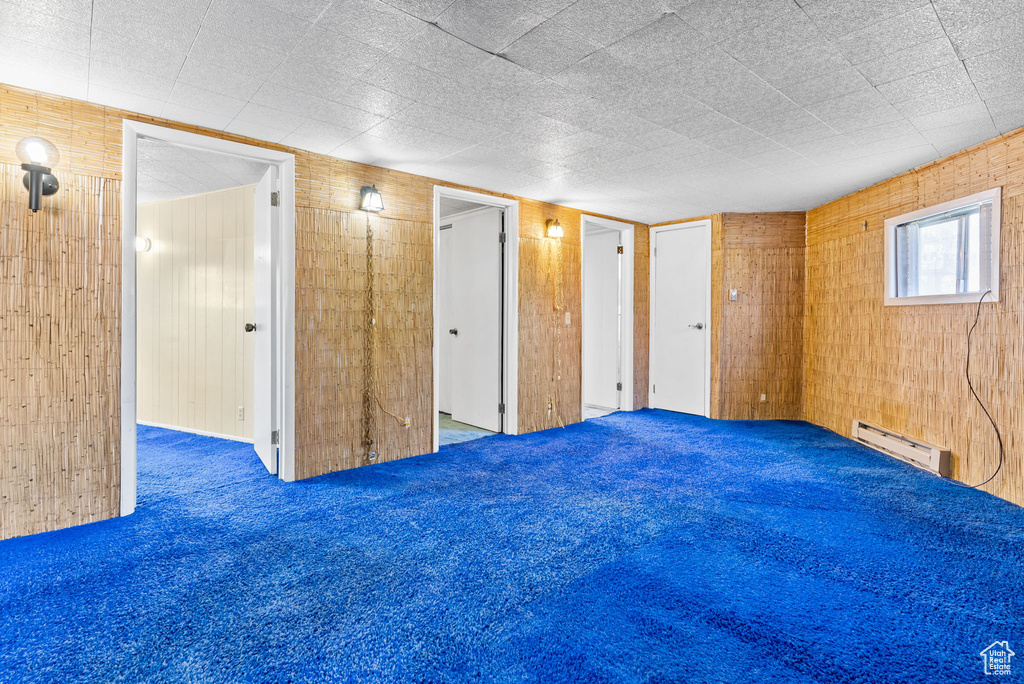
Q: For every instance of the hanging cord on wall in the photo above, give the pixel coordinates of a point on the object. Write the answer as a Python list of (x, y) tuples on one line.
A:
[(967, 372), (371, 387)]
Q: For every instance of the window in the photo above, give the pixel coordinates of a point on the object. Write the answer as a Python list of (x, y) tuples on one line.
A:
[(944, 254)]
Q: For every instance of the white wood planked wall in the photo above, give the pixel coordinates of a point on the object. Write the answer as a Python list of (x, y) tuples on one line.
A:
[(195, 294)]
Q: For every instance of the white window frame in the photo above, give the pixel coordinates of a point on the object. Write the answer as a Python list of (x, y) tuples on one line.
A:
[(891, 299)]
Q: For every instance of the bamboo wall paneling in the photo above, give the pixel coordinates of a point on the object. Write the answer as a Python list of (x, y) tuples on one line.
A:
[(641, 314), (59, 354), (902, 367)]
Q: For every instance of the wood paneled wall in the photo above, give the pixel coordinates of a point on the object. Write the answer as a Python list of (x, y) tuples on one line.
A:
[(331, 265), (641, 315), (902, 367), (761, 348), (60, 346), (195, 294)]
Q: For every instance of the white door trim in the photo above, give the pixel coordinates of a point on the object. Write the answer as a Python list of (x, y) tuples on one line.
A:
[(510, 381), (704, 225), (627, 231), (132, 131)]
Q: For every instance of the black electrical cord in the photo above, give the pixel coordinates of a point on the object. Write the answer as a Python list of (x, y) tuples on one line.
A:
[(967, 372)]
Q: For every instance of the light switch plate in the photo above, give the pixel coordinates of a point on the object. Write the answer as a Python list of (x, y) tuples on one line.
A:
[(733, 295)]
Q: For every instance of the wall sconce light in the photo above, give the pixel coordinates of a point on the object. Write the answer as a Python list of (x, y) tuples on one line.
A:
[(143, 244), (37, 156), (370, 199), (555, 229)]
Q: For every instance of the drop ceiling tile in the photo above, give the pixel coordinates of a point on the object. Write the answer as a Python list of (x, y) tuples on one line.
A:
[(255, 21), (490, 26), (736, 134), (122, 79), (892, 34), (658, 44), (782, 122), (752, 146), (937, 101), (445, 121), (721, 19), (367, 97), (269, 117), (997, 64), (25, 23), (233, 84), (171, 23), (370, 21), (306, 10), (212, 49), (410, 81), (597, 73), (501, 78), (909, 61), (256, 130), (440, 52), (948, 78), (68, 69), (549, 48), (319, 137), (842, 81), (196, 117), (800, 65), (783, 34), (132, 102), (605, 21), (704, 125), (978, 39), (961, 136), (841, 18), (332, 53), (204, 100), (886, 131), (427, 10), (69, 10), (957, 15), (810, 135), (966, 115), (152, 54)]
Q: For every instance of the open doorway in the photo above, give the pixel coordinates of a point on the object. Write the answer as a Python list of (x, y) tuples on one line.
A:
[(208, 293), (607, 351), (474, 316)]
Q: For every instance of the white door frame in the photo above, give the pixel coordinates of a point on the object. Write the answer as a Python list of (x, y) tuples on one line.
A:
[(703, 225), (626, 231), (284, 274), (510, 381)]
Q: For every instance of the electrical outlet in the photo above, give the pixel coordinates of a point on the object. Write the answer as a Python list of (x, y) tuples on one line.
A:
[(408, 421), (241, 413), (734, 295), (764, 397), (568, 318), (373, 455)]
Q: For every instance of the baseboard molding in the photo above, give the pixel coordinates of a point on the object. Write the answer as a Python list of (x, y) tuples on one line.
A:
[(204, 433)]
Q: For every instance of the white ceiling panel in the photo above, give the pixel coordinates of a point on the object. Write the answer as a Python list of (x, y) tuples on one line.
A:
[(647, 109)]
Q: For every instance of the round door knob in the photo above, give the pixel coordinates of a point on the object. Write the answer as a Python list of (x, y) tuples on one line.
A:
[(698, 326), (249, 327), (454, 331)]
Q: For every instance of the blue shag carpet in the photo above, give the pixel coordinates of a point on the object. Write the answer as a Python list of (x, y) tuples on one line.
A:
[(642, 547)]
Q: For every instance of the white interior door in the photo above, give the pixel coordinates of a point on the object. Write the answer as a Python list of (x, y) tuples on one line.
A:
[(444, 306), (475, 271), (601, 322), (679, 318), (264, 320)]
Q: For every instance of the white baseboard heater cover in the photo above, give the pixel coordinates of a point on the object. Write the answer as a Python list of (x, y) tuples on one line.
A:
[(926, 456)]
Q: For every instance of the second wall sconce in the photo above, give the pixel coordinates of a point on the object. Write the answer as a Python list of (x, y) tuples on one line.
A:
[(370, 199), (555, 229)]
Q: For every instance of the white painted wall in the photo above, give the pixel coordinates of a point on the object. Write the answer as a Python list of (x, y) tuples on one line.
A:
[(195, 294)]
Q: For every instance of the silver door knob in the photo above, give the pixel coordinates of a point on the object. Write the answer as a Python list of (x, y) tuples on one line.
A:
[(454, 331), (698, 326), (249, 327)]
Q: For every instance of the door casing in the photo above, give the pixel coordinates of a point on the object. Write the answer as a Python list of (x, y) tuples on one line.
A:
[(283, 256)]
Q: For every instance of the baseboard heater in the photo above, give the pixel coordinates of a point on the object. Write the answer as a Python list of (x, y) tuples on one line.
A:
[(926, 456)]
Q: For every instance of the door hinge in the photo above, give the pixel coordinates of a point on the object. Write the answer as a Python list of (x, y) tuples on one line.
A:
[(654, 389), (501, 409), (275, 199), (618, 250), (275, 437), (655, 251), (501, 237), (618, 386)]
